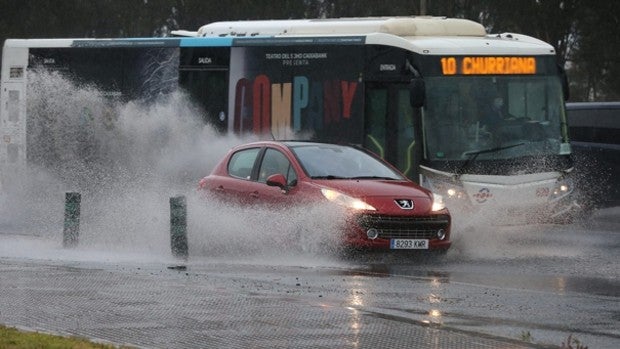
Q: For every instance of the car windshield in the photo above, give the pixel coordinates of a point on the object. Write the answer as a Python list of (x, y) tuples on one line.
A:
[(326, 161)]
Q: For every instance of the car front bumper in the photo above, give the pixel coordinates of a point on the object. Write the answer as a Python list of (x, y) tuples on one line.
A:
[(433, 228)]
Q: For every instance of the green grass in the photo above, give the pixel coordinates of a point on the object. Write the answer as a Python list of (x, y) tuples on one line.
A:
[(526, 336), (11, 338)]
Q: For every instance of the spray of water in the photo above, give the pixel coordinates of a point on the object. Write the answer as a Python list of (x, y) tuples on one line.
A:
[(127, 159), (482, 236), (300, 233)]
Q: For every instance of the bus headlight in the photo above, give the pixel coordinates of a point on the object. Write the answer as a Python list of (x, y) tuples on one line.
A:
[(455, 192), (451, 191), (561, 189)]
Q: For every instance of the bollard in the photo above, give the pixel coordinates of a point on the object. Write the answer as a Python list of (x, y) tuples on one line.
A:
[(178, 227), (71, 229)]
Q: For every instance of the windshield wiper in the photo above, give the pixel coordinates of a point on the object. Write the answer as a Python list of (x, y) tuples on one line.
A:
[(473, 155), (375, 177), (328, 177)]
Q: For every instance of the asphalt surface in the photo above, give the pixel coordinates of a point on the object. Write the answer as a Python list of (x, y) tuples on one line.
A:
[(219, 306), (152, 300)]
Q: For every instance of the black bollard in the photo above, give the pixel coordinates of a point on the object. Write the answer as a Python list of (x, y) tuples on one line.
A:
[(178, 227), (71, 229)]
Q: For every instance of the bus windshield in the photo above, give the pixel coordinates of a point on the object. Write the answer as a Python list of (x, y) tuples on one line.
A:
[(497, 117)]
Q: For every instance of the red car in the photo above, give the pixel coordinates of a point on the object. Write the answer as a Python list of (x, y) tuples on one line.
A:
[(385, 210)]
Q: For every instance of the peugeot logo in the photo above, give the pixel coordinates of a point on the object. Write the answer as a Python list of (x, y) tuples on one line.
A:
[(405, 204)]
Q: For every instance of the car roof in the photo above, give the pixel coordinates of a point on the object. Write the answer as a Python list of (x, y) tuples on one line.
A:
[(294, 143)]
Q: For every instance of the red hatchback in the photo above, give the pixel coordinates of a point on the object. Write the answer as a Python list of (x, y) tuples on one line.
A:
[(385, 210)]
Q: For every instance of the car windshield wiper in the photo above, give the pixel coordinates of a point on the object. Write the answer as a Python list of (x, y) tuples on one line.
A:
[(473, 155), (328, 177), (375, 177)]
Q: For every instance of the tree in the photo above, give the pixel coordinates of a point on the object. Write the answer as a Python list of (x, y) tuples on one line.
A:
[(551, 20), (596, 56), (582, 31)]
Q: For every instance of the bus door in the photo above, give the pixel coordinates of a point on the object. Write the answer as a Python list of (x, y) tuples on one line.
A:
[(390, 126), (203, 73), (208, 88)]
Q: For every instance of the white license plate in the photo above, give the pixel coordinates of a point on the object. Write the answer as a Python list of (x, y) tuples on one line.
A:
[(409, 244)]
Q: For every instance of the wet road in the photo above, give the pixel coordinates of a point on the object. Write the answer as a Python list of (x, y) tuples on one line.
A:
[(508, 287)]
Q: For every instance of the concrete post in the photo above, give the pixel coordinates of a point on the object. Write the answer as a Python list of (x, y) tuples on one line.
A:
[(178, 227), (71, 229)]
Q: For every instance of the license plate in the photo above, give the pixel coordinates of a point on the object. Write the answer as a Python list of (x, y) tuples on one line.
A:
[(409, 244)]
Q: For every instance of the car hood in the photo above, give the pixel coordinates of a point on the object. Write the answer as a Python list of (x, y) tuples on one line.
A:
[(369, 188)]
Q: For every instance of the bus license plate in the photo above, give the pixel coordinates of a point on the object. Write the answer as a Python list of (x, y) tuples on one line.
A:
[(409, 244)]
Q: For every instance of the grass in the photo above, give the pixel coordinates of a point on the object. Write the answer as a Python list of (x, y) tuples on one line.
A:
[(11, 338), (572, 343), (526, 336)]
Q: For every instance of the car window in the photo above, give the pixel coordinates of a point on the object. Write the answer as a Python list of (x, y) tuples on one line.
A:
[(242, 162), (276, 162)]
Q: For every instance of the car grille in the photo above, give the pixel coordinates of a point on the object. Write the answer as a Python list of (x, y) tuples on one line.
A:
[(405, 227)]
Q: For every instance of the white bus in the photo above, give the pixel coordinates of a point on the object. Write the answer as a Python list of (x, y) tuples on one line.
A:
[(477, 117)]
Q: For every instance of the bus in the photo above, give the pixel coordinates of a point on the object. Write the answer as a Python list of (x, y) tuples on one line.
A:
[(594, 130), (478, 118)]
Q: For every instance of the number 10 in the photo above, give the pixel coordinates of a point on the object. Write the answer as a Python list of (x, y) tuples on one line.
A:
[(448, 66)]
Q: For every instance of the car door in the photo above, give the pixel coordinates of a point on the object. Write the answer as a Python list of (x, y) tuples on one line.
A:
[(273, 161)]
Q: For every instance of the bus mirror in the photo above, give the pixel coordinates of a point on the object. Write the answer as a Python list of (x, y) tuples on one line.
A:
[(417, 92)]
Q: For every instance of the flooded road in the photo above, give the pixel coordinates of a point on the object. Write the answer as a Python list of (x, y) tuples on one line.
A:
[(525, 287), (531, 282), (556, 258)]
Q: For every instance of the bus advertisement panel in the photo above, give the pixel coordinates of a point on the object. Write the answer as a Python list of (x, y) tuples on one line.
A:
[(284, 90), (134, 69)]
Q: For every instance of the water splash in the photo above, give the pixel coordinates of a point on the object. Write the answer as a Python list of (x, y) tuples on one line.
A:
[(127, 158)]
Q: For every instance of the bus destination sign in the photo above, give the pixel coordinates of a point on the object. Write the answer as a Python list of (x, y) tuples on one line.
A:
[(488, 65)]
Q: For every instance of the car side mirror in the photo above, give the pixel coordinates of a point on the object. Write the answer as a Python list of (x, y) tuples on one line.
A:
[(277, 180)]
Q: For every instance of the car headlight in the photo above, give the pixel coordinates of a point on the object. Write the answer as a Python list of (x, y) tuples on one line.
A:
[(438, 203), (345, 200)]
